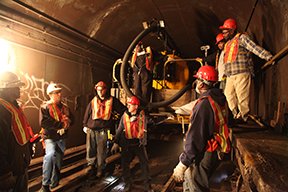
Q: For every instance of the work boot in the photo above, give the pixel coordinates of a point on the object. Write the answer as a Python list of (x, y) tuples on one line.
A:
[(44, 188), (99, 173), (91, 170)]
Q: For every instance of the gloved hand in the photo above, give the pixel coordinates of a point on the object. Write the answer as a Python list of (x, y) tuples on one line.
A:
[(7, 181), (61, 131), (178, 173), (115, 148), (85, 129)]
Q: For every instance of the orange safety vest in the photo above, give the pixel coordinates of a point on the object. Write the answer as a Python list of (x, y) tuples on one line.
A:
[(57, 113), (231, 49), (136, 128), (20, 125), (148, 59), (220, 140), (101, 110)]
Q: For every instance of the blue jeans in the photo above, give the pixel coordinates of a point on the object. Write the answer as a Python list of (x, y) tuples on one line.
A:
[(96, 144), (54, 153)]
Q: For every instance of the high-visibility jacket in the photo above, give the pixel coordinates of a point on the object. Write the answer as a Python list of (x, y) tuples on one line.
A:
[(135, 129), (148, 58), (101, 109), (231, 49), (20, 125), (220, 140)]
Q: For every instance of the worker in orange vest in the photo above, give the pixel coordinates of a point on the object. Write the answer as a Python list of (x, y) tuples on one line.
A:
[(207, 137), (16, 136), (98, 124), (238, 66), (131, 136), (55, 118)]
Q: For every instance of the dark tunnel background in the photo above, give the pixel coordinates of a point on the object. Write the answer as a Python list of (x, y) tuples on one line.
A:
[(76, 42)]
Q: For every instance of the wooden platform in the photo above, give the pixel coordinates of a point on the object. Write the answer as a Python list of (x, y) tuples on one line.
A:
[(262, 157)]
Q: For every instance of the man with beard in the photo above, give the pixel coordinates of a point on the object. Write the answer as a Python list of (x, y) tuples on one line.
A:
[(97, 122), (239, 67)]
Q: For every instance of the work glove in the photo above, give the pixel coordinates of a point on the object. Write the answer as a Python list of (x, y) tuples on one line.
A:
[(85, 129), (7, 181), (178, 173), (61, 131), (115, 148)]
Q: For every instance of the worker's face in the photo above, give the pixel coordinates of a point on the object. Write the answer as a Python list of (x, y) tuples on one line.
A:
[(12, 93), (56, 96), (199, 86), (227, 33), (101, 91), (221, 45), (132, 108)]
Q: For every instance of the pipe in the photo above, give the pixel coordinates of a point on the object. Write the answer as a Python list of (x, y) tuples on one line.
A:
[(251, 15), (123, 71)]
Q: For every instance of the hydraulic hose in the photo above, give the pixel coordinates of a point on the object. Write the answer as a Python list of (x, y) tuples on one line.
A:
[(123, 71)]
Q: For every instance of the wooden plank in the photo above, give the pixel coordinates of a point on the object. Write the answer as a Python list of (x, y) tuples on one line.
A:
[(262, 157)]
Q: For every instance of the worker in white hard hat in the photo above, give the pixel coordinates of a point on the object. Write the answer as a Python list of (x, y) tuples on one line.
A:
[(55, 120), (15, 136)]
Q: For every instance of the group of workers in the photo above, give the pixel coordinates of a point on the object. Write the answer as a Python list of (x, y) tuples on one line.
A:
[(17, 137), (207, 138)]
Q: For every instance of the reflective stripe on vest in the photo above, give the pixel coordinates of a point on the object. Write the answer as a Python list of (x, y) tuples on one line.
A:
[(221, 134), (135, 129), (231, 49), (101, 110), (54, 111), (20, 125)]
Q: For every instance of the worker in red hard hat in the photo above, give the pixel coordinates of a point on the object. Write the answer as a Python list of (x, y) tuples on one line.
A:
[(239, 67), (131, 136), (207, 136), (98, 124), (16, 136), (216, 59)]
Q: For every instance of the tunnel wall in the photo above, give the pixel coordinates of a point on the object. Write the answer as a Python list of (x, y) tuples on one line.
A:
[(269, 28)]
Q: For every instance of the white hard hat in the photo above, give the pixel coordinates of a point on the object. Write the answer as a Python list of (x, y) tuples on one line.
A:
[(10, 80), (52, 87)]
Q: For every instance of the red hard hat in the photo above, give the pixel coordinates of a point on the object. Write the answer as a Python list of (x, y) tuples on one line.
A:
[(219, 38), (100, 84), (133, 100), (207, 73), (229, 24)]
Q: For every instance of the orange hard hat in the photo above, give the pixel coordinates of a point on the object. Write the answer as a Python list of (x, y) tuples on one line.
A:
[(100, 84), (207, 73), (219, 38), (229, 24), (133, 100)]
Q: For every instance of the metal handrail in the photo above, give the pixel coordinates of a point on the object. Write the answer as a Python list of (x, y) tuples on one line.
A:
[(275, 57)]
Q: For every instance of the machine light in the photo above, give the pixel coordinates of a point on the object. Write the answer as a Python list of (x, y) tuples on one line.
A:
[(145, 25)]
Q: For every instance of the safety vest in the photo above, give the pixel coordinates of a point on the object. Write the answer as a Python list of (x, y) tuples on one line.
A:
[(101, 109), (136, 128), (231, 49), (148, 58), (220, 140), (20, 125), (56, 112)]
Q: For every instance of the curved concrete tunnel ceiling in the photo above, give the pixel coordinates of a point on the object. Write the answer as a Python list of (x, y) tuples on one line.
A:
[(190, 23)]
